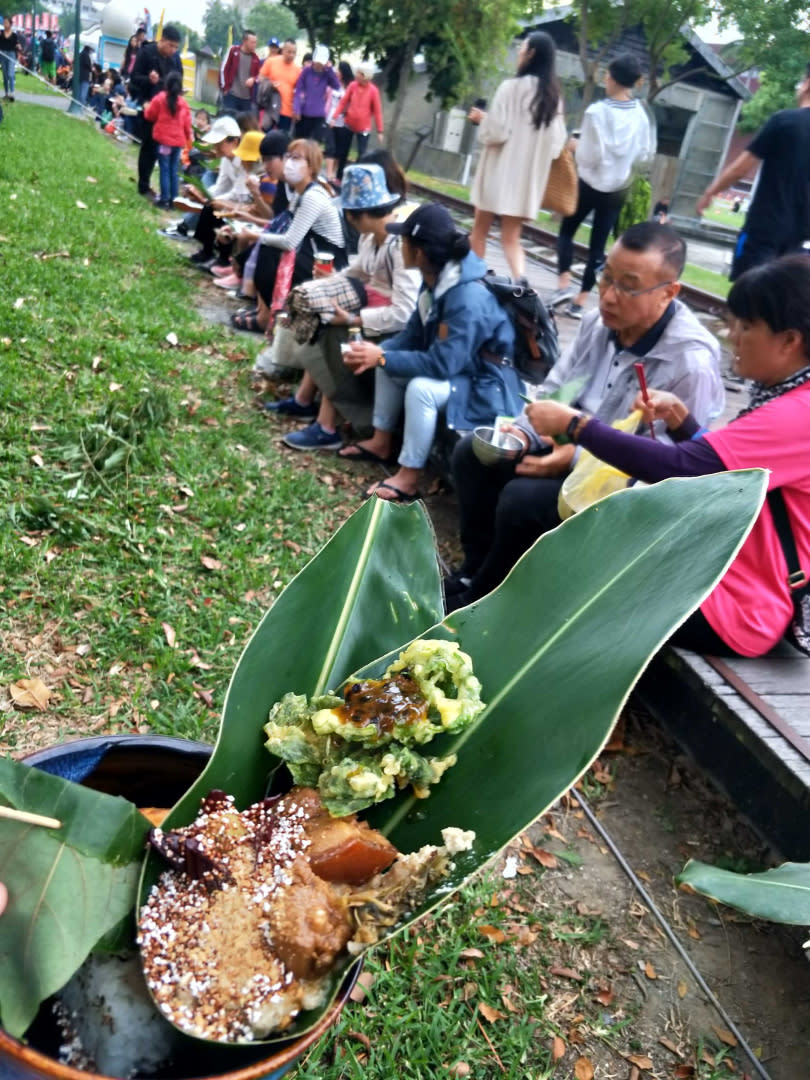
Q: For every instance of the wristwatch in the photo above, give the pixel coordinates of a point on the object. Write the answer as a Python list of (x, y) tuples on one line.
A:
[(575, 426), (381, 360)]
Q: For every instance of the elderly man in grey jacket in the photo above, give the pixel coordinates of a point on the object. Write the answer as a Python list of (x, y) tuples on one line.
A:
[(503, 511)]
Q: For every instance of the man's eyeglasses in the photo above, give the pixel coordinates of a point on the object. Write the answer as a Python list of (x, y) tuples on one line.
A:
[(607, 281)]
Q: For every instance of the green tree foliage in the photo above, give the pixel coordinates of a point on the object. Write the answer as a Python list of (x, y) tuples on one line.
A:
[(636, 205), (219, 18), (195, 42), (321, 20), (271, 20)]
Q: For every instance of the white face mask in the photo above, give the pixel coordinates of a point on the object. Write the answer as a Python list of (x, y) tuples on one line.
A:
[(294, 170)]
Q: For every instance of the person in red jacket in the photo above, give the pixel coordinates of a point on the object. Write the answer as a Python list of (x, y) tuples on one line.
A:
[(170, 116), (360, 105), (240, 74)]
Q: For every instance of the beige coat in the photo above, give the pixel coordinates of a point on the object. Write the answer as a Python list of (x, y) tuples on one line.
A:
[(515, 158)]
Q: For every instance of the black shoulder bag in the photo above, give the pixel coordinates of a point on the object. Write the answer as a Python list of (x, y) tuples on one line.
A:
[(798, 633)]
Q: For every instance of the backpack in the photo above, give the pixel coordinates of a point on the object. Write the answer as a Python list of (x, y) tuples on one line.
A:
[(537, 346)]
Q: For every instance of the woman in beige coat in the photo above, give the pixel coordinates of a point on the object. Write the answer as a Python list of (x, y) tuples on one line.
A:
[(523, 132)]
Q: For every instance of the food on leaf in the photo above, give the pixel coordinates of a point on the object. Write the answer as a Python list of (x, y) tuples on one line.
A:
[(359, 749), (243, 931)]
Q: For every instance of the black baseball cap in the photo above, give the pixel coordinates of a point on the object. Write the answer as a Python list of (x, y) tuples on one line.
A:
[(429, 219)]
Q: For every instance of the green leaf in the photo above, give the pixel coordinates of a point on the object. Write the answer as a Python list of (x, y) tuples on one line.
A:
[(781, 895), (557, 647), (68, 887)]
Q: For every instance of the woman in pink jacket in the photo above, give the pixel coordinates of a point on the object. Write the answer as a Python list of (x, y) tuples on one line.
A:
[(360, 105), (171, 116)]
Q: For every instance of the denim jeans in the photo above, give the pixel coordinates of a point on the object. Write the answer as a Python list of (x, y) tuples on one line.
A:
[(8, 64), (423, 399), (168, 161)]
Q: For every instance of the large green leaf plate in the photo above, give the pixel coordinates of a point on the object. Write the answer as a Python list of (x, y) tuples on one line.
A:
[(557, 647), (781, 894)]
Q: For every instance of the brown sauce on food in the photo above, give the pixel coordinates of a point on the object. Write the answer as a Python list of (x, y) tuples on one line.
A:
[(383, 703)]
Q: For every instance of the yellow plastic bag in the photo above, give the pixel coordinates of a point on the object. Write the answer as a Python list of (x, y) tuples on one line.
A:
[(592, 479)]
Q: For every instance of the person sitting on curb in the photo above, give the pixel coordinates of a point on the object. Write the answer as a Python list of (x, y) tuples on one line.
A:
[(386, 296), (449, 358), (503, 511), (751, 608), (225, 137)]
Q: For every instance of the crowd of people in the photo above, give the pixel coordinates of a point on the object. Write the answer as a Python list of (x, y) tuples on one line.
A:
[(380, 306)]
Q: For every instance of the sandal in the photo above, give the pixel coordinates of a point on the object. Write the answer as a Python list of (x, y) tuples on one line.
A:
[(247, 320), (361, 454), (399, 495)]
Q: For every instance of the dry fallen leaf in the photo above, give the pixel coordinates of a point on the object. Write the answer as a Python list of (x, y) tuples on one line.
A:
[(557, 1048), (37, 460), (18, 303), (583, 1069), (724, 1035), (460, 1069), (605, 996), (365, 980), (641, 1061), (649, 971), (683, 989), (471, 954), (565, 973), (210, 563), (490, 1014), (493, 933), (545, 858), (91, 179), (172, 338), (171, 636), (30, 694)]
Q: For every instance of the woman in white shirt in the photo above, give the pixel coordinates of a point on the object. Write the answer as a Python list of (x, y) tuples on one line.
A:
[(616, 133)]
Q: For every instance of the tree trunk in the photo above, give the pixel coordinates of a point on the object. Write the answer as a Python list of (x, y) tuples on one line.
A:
[(402, 89)]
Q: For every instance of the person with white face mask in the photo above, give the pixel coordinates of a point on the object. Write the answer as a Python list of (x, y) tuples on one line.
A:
[(315, 227)]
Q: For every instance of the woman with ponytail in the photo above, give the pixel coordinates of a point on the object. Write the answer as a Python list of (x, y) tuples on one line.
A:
[(168, 111), (523, 132), (451, 357)]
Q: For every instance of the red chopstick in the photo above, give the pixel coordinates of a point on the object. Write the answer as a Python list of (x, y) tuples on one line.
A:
[(642, 382)]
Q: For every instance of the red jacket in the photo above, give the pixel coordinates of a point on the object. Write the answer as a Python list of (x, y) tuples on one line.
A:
[(231, 67), (169, 130), (359, 105)]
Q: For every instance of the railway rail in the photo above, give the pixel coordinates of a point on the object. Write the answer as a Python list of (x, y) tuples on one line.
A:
[(544, 239)]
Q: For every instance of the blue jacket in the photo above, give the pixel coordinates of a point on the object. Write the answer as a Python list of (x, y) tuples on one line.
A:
[(447, 338)]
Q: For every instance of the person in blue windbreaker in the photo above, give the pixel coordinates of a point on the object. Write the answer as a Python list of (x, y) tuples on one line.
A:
[(451, 358)]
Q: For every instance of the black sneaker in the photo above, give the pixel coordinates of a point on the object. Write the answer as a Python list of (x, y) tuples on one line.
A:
[(201, 256)]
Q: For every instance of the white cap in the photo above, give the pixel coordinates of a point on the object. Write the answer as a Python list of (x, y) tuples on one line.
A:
[(320, 55), (224, 127)]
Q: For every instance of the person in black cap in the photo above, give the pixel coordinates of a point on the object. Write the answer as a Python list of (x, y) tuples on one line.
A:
[(448, 359)]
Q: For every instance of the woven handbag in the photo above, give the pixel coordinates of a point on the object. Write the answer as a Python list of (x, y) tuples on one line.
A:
[(561, 193)]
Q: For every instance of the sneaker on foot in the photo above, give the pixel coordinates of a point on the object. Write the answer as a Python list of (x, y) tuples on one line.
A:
[(230, 281), (559, 296), (290, 407), (201, 256), (313, 437), (573, 311), (174, 232), (222, 271)]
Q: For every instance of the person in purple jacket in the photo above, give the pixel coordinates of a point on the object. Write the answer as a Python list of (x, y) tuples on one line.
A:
[(309, 99)]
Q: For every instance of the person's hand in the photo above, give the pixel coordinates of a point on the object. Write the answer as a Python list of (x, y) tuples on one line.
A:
[(3, 897), (475, 115), (557, 463), (662, 405), (571, 145), (341, 316), (250, 83), (550, 417), (253, 184), (512, 429), (704, 202), (362, 356), (296, 117), (154, 77)]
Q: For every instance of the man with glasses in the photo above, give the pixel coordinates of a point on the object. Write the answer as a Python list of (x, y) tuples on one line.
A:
[(503, 510)]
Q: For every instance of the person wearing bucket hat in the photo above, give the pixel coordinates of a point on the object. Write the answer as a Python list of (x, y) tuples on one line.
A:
[(309, 100), (248, 150), (379, 300), (450, 359)]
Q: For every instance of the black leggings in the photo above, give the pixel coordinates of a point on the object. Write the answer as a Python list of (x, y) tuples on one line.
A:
[(606, 206)]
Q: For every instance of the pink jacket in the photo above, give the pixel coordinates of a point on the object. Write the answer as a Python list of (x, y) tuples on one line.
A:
[(169, 130), (359, 105)]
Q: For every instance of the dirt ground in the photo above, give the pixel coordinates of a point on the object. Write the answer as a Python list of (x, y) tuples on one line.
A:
[(660, 810)]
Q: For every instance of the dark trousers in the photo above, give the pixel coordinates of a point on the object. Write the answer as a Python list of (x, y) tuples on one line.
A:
[(147, 157), (606, 206), (501, 515), (310, 127), (237, 104)]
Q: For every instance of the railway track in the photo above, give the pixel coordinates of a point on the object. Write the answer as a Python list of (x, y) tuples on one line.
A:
[(544, 243)]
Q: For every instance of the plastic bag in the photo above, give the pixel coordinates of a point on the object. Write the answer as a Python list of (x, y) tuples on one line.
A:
[(591, 479)]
